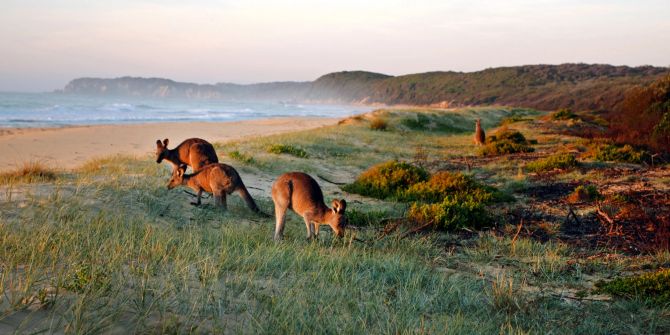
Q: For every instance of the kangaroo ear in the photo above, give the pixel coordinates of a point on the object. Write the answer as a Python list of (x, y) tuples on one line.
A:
[(165, 142), (343, 205), (159, 144), (336, 205)]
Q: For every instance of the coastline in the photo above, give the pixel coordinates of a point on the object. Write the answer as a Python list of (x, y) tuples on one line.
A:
[(71, 146)]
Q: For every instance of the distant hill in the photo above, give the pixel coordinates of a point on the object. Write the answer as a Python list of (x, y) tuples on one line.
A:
[(547, 87)]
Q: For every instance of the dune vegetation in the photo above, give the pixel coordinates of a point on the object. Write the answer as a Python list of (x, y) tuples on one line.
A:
[(108, 248)]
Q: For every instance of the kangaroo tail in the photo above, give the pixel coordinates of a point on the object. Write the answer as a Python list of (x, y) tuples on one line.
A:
[(242, 190)]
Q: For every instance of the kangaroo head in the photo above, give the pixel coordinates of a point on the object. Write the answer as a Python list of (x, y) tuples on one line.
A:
[(161, 150), (337, 220), (478, 121), (177, 177)]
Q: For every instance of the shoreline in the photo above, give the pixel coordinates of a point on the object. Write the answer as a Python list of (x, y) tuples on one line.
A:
[(71, 146)]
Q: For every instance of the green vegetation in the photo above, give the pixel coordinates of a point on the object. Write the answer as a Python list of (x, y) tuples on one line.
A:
[(108, 249), (585, 193), (445, 184), (505, 142), (578, 86), (388, 180), (559, 161), (619, 153), (32, 172), (241, 157), (460, 210), (653, 287), (564, 114), (287, 149)]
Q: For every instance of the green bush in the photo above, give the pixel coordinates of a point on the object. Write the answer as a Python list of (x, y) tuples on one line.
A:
[(564, 114), (455, 211), (616, 153), (654, 287), (443, 184), (561, 161), (287, 149), (505, 142), (585, 193), (240, 156), (387, 180)]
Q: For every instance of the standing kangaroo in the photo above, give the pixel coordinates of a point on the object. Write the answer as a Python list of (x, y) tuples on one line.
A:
[(193, 152), (480, 136), (217, 179), (301, 193)]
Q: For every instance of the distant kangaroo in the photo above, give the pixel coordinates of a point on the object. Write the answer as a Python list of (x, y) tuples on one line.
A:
[(480, 135), (218, 179), (193, 152), (301, 193)]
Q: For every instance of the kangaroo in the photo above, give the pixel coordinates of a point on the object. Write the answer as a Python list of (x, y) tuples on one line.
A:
[(480, 135), (193, 152), (301, 193), (218, 179)]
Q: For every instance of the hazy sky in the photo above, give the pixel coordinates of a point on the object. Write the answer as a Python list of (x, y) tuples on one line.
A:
[(45, 43)]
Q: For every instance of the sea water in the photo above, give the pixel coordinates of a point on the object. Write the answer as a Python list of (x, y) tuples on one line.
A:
[(25, 110)]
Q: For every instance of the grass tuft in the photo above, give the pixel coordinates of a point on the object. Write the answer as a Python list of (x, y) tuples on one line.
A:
[(287, 149), (241, 157), (32, 172)]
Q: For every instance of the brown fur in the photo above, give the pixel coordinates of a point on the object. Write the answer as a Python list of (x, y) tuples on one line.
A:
[(480, 135), (217, 179), (301, 193), (193, 152)]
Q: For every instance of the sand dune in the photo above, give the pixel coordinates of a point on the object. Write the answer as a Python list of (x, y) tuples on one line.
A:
[(72, 146)]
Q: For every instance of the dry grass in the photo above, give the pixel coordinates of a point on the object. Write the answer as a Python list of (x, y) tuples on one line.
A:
[(31, 172)]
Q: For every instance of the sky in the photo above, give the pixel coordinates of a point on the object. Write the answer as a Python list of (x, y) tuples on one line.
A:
[(46, 43)]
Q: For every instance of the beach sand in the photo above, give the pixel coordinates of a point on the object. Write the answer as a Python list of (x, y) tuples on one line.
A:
[(70, 147)]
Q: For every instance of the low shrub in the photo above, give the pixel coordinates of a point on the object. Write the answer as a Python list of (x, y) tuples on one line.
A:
[(443, 184), (456, 211), (617, 153), (32, 172), (559, 161), (584, 193), (387, 180), (654, 287), (378, 123), (505, 142), (240, 156), (564, 114), (287, 149), (513, 119)]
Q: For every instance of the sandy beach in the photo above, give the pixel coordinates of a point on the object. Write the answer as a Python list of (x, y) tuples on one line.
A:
[(69, 147)]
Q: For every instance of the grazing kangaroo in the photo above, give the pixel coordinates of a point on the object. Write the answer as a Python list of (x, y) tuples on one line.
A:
[(194, 152), (480, 135), (217, 179), (301, 193)]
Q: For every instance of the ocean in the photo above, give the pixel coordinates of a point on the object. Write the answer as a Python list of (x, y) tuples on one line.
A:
[(29, 110)]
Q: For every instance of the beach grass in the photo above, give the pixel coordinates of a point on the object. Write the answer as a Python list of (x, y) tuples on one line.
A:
[(108, 249)]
